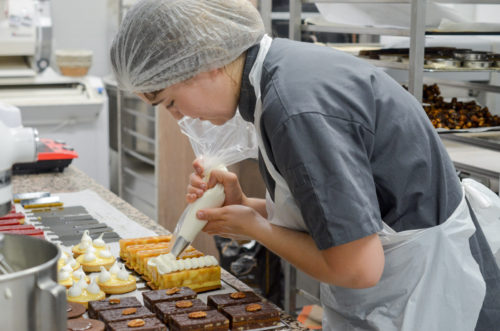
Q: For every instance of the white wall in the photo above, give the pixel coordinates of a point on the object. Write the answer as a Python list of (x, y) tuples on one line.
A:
[(87, 24)]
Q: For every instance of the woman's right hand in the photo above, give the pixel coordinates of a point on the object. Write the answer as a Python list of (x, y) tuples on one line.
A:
[(232, 189)]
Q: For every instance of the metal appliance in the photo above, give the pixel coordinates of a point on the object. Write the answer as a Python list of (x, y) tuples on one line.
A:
[(30, 297), (17, 144), (25, 37), (73, 110)]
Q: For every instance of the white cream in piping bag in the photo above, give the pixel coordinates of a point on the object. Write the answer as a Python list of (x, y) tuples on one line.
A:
[(212, 198), (167, 263)]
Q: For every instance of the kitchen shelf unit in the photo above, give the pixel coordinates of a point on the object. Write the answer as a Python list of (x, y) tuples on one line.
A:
[(136, 145), (415, 67)]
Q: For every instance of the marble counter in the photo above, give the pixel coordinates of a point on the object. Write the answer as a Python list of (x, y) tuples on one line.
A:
[(73, 180)]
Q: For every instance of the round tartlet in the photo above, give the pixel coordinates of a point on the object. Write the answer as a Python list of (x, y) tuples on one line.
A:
[(87, 242), (116, 281), (92, 261), (66, 277), (82, 293)]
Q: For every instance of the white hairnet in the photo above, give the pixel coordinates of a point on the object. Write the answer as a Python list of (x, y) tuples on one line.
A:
[(163, 42)]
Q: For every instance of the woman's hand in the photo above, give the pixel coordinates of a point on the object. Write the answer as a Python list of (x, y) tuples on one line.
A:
[(232, 188), (232, 221)]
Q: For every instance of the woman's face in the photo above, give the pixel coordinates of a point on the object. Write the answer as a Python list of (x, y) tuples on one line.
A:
[(209, 96)]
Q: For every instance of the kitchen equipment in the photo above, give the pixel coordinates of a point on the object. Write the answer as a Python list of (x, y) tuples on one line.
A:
[(30, 297), (25, 37), (442, 63), (18, 144), (477, 64)]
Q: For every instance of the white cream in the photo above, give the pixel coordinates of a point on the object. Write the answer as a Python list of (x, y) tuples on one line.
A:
[(89, 256), (75, 290), (85, 237), (79, 273), (115, 268), (104, 275), (93, 288), (82, 282), (64, 258), (63, 275), (72, 262), (105, 254), (67, 268), (84, 246), (212, 198), (122, 274), (99, 242), (166, 265)]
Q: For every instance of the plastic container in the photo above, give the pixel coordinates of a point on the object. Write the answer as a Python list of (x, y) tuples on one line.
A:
[(73, 62)]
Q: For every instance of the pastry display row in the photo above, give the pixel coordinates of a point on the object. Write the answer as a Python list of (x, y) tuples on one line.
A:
[(450, 58)]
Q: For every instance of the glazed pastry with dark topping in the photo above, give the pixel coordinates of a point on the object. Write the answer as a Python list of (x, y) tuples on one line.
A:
[(172, 294), (139, 324), (199, 320), (230, 299), (97, 306)]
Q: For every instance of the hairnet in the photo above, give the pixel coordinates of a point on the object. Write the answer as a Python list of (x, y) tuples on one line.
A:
[(163, 42)]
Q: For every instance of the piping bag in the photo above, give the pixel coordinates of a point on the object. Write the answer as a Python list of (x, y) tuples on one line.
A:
[(217, 146)]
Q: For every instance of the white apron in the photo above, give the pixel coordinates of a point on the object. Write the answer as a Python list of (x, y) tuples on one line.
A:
[(430, 279)]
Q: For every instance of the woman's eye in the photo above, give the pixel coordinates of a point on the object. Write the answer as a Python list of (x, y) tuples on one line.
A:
[(171, 104)]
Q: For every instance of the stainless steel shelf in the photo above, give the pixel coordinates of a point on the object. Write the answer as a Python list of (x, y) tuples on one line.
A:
[(139, 136), (138, 156), (356, 29), (474, 86), (138, 175), (139, 114)]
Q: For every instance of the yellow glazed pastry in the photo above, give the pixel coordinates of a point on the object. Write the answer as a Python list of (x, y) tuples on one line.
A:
[(93, 260), (116, 281), (82, 293)]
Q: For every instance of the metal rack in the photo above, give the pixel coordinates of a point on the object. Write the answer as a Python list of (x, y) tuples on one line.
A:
[(136, 146), (415, 67)]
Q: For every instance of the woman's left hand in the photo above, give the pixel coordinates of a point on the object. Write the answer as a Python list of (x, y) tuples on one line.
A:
[(233, 221)]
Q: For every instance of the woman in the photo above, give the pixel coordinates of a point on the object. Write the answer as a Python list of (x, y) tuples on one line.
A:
[(348, 158)]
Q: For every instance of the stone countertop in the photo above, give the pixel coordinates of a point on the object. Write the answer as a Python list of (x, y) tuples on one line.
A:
[(74, 180)]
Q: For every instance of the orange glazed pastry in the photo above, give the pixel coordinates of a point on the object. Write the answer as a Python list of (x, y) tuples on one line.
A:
[(200, 274), (139, 241)]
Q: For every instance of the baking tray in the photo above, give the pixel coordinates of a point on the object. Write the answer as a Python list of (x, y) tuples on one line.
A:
[(142, 287), (471, 130)]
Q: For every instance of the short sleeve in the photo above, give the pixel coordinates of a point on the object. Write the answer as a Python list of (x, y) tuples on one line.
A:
[(325, 161)]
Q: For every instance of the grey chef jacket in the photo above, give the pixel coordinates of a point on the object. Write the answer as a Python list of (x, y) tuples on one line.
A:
[(355, 148)]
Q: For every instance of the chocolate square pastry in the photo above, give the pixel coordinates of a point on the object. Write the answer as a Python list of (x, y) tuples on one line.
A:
[(230, 299), (97, 306), (140, 324), (252, 316), (124, 314), (164, 310), (171, 294), (199, 320)]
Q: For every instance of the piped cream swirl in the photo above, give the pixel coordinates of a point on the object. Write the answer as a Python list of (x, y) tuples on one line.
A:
[(167, 263)]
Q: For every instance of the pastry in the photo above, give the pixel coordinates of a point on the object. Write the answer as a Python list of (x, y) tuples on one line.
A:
[(151, 298), (200, 274), (82, 293), (75, 310), (251, 316), (87, 324), (95, 307), (66, 276), (93, 259), (199, 320), (230, 299), (116, 281), (142, 324), (144, 256), (84, 244), (165, 310), (124, 243), (124, 314)]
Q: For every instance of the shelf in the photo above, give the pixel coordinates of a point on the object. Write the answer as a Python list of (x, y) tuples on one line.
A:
[(356, 29), (139, 114), (405, 66), (474, 86), (139, 136), (139, 156)]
